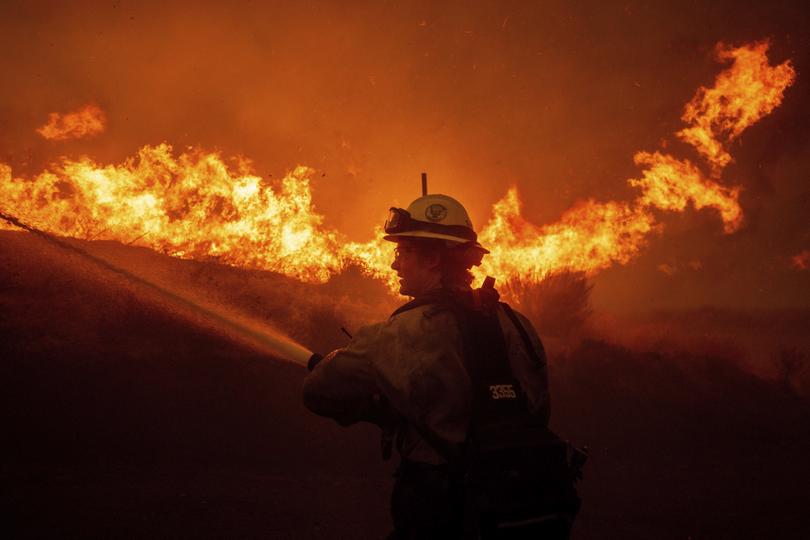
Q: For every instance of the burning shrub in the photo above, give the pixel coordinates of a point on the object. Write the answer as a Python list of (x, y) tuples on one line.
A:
[(559, 305), (793, 369)]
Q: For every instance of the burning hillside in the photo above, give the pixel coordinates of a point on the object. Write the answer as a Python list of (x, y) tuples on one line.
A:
[(199, 205), (211, 176)]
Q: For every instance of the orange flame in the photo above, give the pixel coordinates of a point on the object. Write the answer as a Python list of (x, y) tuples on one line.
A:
[(741, 95), (87, 121), (670, 184), (588, 237), (593, 236), (801, 261), (194, 205)]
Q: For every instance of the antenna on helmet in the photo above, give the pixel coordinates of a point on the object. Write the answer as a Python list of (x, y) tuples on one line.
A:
[(424, 184)]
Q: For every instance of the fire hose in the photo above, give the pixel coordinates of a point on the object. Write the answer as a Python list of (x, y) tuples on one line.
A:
[(274, 342)]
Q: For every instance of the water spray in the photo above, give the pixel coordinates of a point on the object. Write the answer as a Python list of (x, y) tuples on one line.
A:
[(273, 342)]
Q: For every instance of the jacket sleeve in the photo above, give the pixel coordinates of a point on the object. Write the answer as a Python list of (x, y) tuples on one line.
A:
[(407, 367), (342, 385)]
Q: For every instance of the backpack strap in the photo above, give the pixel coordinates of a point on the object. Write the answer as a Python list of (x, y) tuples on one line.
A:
[(538, 359), (486, 363), (484, 342)]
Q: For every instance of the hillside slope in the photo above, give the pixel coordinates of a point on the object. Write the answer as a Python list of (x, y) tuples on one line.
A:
[(126, 415)]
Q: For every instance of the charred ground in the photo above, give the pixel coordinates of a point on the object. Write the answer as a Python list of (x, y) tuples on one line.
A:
[(127, 416)]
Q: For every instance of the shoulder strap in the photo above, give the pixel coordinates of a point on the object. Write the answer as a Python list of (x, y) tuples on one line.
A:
[(533, 354), (485, 362), (469, 321)]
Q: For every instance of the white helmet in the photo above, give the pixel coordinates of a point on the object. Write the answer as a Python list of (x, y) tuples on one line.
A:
[(432, 216)]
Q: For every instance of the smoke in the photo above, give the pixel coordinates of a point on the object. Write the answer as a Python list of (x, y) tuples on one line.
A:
[(770, 344)]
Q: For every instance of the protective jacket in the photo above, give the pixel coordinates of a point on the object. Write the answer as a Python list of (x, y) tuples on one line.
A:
[(410, 370)]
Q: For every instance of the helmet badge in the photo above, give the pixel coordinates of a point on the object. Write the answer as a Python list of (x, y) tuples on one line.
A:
[(435, 212)]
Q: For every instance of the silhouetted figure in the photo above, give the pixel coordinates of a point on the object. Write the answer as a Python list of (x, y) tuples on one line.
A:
[(458, 382)]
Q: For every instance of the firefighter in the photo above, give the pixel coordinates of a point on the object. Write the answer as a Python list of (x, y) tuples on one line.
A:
[(409, 373)]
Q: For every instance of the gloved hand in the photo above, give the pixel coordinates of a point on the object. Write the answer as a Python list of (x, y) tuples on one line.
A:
[(314, 360)]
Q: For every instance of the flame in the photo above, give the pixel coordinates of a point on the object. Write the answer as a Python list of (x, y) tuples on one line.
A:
[(741, 95), (87, 121), (588, 237), (671, 184), (195, 205), (593, 236), (374, 258), (801, 261), (673, 268)]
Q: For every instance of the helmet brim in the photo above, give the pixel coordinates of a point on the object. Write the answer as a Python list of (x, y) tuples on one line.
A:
[(396, 237)]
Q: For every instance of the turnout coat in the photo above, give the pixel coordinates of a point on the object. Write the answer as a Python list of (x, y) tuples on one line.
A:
[(409, 370)]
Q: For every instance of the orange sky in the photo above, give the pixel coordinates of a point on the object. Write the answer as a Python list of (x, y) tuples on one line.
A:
[(554, 99)]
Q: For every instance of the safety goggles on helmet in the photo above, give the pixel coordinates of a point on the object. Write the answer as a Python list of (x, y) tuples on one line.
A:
[(400, 221)]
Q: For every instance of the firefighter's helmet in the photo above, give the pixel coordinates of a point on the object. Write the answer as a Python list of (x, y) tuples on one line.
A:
[(433, 216)]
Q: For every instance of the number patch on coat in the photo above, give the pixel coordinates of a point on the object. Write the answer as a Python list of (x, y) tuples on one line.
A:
[(502, 391)]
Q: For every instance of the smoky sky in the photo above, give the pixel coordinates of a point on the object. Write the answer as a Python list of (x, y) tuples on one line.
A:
[(553, 97)]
